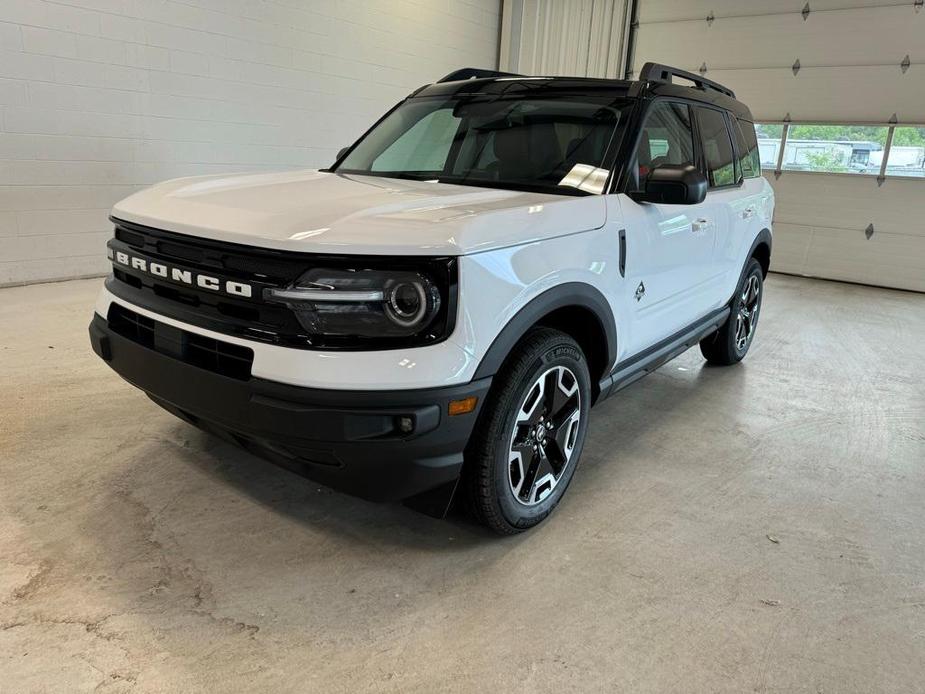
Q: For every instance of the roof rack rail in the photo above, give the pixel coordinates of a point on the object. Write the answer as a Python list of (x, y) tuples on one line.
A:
[(653, 72), (469, 73)]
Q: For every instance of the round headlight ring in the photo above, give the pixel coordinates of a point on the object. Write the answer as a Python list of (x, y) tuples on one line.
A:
[(407, 303)]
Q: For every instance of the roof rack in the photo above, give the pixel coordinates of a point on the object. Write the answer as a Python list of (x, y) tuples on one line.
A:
[(653, 72), (469, 73)]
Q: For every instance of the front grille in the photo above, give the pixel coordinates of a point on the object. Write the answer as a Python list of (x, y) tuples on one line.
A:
[(206, 353), (246, 317)]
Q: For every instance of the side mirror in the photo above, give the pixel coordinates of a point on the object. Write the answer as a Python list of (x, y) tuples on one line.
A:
[(341, 153), (674, 184)]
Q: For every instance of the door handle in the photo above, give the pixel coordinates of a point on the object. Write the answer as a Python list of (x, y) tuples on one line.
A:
[(699, 224)]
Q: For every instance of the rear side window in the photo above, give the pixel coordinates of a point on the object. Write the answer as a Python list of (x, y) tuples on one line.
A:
[(747, 144), (717, 148), (666, 138)]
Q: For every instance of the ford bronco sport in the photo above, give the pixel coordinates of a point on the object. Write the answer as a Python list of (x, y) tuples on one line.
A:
[(436, 313)]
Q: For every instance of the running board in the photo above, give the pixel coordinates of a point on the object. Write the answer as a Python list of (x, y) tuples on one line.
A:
[(637, 366)]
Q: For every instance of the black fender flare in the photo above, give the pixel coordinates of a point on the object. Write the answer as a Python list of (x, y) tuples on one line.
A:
[(763, 237), (561, 296)]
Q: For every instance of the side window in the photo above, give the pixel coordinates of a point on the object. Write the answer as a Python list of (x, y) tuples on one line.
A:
[(666, 138), (717, 147), (422, 147), (747, 144)]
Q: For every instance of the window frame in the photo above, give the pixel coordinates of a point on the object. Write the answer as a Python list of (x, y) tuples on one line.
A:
[(737, 171), (737, 123), (621, 183)]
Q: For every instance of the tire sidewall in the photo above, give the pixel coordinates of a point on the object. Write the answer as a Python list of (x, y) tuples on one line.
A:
[(517, 514)]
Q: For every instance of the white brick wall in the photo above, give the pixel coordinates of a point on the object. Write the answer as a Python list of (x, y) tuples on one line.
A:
[(101, 97)]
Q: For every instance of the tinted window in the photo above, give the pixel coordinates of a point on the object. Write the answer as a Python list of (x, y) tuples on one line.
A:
[(520, 142), (717, 147), (423, 147), (666, 138), (747, 144)]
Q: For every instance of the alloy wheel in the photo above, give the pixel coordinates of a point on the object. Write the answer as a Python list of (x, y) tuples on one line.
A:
[(747, 316), (544, 436)]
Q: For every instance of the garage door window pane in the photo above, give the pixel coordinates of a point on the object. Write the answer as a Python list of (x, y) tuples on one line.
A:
[(835, 148), (769, 137), (717, 147), (907, 153)]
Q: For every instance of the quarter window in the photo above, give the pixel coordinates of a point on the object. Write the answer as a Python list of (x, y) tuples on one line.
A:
[(769, 137), (717, 147), (747, 144)]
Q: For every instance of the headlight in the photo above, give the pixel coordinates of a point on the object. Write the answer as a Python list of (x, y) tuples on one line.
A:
[(370, 307)]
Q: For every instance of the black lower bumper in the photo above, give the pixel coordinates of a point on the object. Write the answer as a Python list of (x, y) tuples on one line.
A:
[(349, 440)]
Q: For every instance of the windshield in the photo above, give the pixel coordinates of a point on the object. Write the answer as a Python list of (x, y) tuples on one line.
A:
[(548, 144)]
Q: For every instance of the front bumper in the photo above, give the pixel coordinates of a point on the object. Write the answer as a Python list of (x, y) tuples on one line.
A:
[(346, 439)]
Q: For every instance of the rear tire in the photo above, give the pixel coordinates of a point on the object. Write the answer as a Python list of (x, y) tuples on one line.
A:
[(530, 433), (730, 343)]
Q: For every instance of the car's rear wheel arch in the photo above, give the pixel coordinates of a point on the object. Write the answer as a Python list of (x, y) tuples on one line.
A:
[(761, 251)]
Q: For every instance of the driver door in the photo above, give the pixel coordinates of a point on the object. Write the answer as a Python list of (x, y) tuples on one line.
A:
[(669, 247)]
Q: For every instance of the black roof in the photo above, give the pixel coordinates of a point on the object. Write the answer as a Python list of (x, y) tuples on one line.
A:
[(470, 81), (521, 85)]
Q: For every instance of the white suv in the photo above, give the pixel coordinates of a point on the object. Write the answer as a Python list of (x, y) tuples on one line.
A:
[(441, 308)]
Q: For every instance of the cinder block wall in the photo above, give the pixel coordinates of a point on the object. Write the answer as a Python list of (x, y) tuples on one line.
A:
[(101, 97)]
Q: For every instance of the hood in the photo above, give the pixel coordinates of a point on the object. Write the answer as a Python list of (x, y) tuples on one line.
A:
[(321, 212)]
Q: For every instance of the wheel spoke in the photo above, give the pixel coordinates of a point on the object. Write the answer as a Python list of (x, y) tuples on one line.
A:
[(752, 318), (531, 473), (554, 396), (524, 448), (519, 465), (561, 387), (544, 477), (562, 442), (565, 414), (532, 409)]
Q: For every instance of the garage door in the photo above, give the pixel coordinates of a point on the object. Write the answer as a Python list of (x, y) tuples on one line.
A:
[(840, 102)]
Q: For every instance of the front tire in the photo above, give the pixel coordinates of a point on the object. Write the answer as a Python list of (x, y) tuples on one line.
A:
[(530, 433), (730, 343)]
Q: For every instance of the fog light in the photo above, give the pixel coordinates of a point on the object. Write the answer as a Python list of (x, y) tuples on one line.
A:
[(464, 406), (405, 425)]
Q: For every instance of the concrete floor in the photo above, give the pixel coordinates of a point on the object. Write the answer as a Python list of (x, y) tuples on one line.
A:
[(758, 528)]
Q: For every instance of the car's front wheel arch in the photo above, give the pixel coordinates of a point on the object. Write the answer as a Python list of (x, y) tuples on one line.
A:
[(577, 309)]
